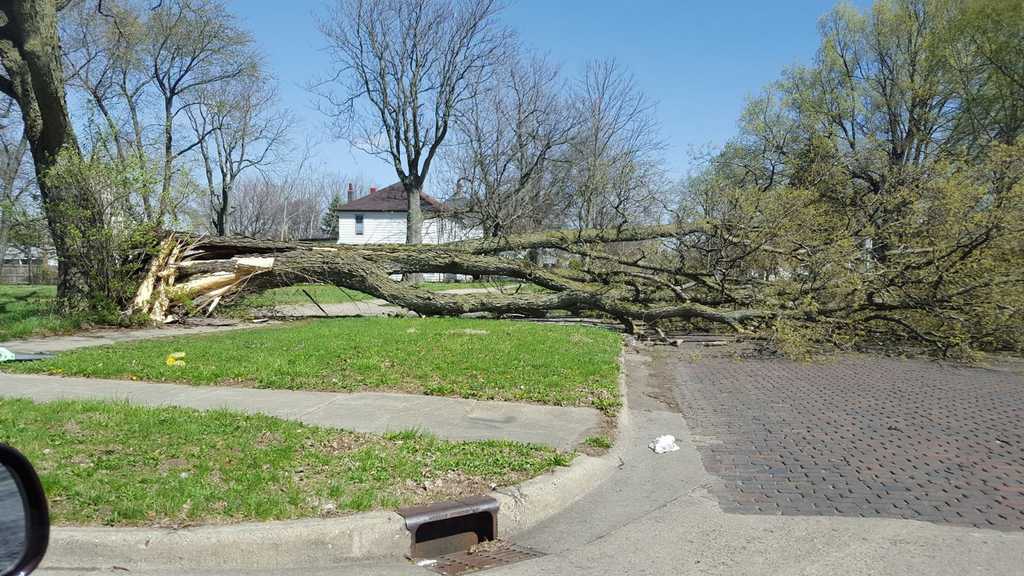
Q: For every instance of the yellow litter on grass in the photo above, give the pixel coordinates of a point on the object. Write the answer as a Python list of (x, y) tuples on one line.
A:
[(175, 359)]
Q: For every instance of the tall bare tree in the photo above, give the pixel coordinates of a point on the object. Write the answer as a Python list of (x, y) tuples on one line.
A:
[(508, 137), (102, 48), (290, 207), (612, 171), (160, 77), (239, 129), (190, 45), (90, 63), (103, 59), (402, 70)]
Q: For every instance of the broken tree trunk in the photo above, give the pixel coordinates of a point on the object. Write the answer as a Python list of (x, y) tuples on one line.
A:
[(193, 274)]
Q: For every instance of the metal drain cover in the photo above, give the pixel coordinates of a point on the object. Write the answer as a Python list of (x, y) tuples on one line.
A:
[(481, 557)]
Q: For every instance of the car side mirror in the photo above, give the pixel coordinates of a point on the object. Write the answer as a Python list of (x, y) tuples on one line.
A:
[(24, 516)]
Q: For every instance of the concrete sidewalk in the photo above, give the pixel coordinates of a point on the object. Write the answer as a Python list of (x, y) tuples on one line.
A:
[(54, 344), (372, 412), (374, 307)]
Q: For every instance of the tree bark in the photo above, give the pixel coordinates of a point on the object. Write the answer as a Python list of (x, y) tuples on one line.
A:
[(413, 225), (30, 51), (223, 208), (168, 169), (414, 216)]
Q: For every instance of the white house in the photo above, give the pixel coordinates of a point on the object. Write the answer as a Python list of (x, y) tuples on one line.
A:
[(380, 218)]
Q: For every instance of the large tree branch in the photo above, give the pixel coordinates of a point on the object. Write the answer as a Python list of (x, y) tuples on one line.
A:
[(563, 238), (203, 271)]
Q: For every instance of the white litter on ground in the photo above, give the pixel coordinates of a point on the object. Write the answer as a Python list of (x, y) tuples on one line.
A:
[(662, 444), (428, 562)]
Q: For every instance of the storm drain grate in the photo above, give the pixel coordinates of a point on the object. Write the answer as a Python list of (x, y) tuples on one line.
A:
[(488, 555)]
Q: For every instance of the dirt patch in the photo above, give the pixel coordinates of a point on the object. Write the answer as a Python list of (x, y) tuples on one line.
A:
[(71, 428), (238, 383), (267, 439), (488, 546), (216, 478), (173, 464), (452, 485), (651, 385), (341, 444), (606, 430), (81, 460)]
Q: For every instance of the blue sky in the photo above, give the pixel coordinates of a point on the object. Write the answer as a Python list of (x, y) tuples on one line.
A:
[(698, 60)]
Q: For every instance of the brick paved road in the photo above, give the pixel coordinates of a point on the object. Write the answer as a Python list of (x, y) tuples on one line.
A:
[(860, 436)]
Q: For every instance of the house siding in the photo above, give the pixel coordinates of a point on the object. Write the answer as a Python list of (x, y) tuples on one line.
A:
[(389, 228), (378, 228)]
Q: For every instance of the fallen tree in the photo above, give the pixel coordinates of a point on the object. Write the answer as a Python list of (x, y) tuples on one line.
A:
[(786, 277), (193, 274)]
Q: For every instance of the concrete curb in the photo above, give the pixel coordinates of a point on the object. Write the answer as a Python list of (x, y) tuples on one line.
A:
[(318, 543), (272, 545), (530, 503)]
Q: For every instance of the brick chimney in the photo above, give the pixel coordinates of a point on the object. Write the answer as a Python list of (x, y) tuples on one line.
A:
[(373, 189), (351, 192)]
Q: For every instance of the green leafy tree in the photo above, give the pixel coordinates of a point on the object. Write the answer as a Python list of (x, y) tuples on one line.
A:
[(329, 222), (878, 192)]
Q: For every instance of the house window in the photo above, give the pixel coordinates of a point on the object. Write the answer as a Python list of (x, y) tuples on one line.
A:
[(359, 224)]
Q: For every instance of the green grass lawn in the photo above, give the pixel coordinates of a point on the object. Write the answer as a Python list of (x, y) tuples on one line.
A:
[(26, 310), (117, 464), (486, 359)]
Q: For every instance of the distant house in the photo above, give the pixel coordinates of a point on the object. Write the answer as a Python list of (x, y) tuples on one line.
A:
[(380, 218)]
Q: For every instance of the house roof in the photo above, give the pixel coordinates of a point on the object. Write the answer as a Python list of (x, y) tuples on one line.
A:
[(390, 199)]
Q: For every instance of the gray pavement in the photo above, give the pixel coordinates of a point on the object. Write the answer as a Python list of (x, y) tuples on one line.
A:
[(860, 436), (656, 516), (102, 337), (374, 412)]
